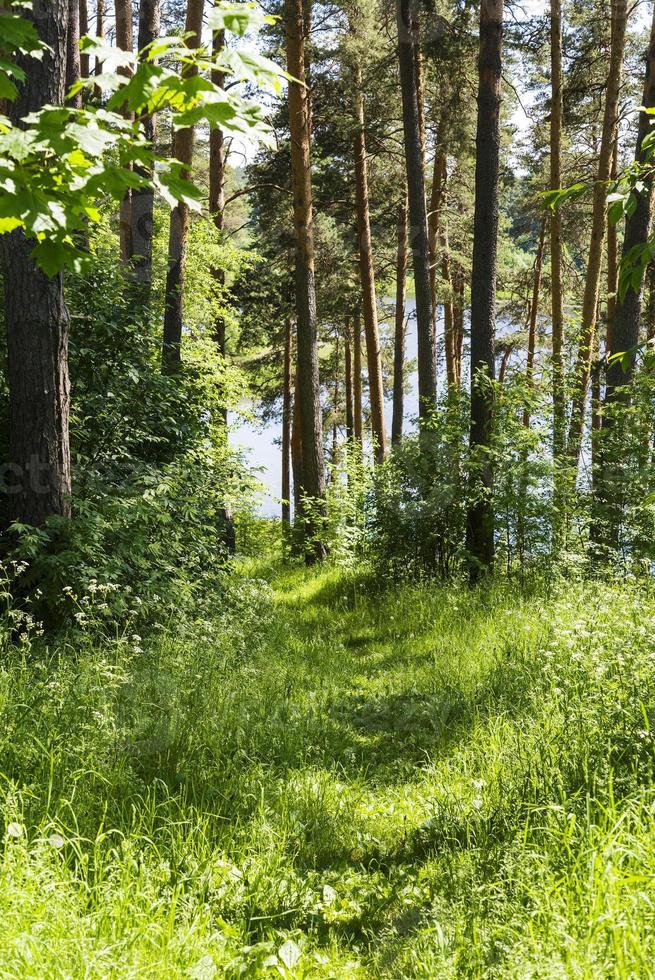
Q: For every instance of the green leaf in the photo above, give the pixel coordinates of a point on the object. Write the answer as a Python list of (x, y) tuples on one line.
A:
[(237, 17), (9, 224), (139, 91)]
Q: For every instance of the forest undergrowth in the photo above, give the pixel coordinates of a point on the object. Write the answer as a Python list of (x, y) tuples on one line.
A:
[(334, 778)]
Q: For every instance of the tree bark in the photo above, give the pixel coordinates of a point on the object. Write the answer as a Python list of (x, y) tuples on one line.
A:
[(399, 331), (418, 222), (625, 335), (179, 223), (313, 466), (627, 314), (217, 194), (124, 41), (143, 198), (84, 30), (296, 449), (100, 30), (532, 324), (557, 299), (350, 394), (480, 523), (357, 378), (612, 258), (367, 276), (38, 474), (434, 215), (73, 62), (335, 408), (598, 227), (286, 425), (458, 323), (418, 82)]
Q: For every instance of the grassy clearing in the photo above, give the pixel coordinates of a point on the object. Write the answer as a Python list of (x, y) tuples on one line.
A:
[(336, 781)]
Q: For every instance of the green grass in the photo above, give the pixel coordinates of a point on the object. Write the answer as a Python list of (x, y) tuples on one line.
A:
[(334, 780)]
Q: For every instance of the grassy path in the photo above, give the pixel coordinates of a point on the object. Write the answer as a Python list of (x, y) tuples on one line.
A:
[(340, 782)]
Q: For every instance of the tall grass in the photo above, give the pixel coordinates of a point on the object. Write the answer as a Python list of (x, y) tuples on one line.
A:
[(330, 779)]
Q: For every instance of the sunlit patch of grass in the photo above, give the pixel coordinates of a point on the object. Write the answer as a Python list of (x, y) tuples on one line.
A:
[(423, 781)]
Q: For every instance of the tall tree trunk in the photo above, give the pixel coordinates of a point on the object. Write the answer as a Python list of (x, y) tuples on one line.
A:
[(143, 198), (100, 30), (598, 226), (286, 424), (357, 377), (557, 300), (480, 523), (418, 222), (434, 215), (418, 81), (296, 451), (350, 394), (532, 324), (625, 329), (612, 257), (367, 275), (399, 331), (627, 314), (84, 30), (450, 335), (458, 323), (313, 467), (649, 312), (335, 406), (73, 62), (37, 321), (217, 212), (124, 41), (217, 190), (179, 223)]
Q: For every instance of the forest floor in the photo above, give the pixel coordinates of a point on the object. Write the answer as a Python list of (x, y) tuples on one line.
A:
[(339, 780)]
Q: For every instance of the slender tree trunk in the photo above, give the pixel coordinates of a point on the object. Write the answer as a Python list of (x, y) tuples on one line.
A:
[(612, 258), (124, 41), (437, 200), (480, 524), (84, 30), (450, 341), (532, 325), (399, 331), (217, 194), (217, 212), (598, 226), (418, 222), (179, 223), (143, 198), (367, 276), (335, 405), (37, 475), (625, 333), (100, 30), (73, 62), (458, 324), (418, 82), (286, 425), (313, 467), (296, 451), (649, 313), (357, 379), (557, 300), (350, 394), (504, 361)]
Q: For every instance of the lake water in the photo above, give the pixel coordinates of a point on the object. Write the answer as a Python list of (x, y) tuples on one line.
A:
[(261, 443)]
